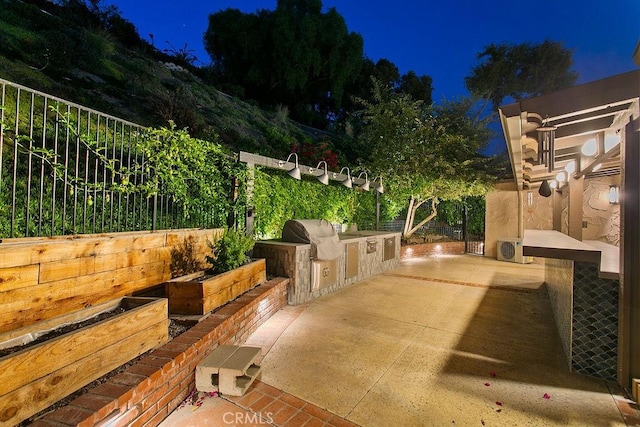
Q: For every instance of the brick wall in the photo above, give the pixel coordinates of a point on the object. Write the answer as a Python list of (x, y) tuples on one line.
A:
[(430, 249), (152, 388)]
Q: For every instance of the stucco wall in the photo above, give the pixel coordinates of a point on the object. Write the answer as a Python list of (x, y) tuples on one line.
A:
[(539, 214), (602, 218), (501, 218)]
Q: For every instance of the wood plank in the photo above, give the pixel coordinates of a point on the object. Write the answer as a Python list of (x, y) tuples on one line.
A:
[(34, 362), (185, 297), (13, 255), (206, 295), (25, 306), (177, 237), (67, 268), (18, 277), (46, 325), (21, 403)]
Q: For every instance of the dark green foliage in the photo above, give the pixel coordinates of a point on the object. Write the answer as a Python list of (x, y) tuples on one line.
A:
[(520, 71), (419, 87), (230, 250), (295, 55)]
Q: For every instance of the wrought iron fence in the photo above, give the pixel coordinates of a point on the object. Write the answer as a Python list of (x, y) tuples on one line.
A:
[(59, 170)]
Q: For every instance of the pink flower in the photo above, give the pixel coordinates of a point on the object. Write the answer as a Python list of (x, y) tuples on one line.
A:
[(499, 403), (546, 396), (487, 384), (492, 373)]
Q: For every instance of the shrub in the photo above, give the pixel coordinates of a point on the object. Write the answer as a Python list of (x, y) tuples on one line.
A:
[(230, 250)]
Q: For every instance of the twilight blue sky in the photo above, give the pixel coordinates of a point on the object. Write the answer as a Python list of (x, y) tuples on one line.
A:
[(439, 37)]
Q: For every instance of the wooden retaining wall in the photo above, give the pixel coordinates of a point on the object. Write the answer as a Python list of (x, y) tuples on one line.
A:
[(42, 278)]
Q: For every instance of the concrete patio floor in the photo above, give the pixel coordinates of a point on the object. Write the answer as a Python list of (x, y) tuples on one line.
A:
[(440, 341)]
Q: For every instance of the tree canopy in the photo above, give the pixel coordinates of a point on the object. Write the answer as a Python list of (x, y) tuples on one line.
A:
[(520, 71), (295, 55), (425, 153), (300, 57)]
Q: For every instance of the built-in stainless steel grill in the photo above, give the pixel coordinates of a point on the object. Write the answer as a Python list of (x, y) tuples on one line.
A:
[(325, 244), (325, 248)]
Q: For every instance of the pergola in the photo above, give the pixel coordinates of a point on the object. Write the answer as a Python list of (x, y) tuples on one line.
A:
[(586, 131)]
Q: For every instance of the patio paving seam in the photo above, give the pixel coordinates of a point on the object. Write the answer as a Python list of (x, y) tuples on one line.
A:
[(456, 282)]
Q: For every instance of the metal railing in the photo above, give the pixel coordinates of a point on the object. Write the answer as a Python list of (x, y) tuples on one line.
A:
[(59, 170)]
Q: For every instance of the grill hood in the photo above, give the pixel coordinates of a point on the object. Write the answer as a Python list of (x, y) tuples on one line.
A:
[(325, 244)]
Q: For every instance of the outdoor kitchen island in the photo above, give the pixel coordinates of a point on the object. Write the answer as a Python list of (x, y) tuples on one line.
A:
[(327, 261), (582, 279)]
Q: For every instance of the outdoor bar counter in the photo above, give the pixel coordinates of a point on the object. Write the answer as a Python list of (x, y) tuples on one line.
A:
[(582, 279)]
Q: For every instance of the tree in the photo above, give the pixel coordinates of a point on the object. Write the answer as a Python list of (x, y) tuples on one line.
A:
[(520, 71), (295, 55), (419, 87), (426, 154)]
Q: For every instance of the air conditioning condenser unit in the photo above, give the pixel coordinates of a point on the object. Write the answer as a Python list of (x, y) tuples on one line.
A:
[(511, 250)]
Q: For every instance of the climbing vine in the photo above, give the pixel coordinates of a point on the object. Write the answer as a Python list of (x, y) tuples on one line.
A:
[(278, 198)]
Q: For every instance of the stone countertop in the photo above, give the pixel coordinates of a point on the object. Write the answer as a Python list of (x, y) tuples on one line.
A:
[(356, 235), (366, 234), (610, 261), (554, 244)]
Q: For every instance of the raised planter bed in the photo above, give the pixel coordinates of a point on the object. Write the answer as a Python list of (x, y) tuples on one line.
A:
[(39, 375), (198, 294)]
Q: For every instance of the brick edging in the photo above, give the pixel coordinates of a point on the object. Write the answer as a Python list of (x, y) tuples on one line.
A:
[(148, 391)]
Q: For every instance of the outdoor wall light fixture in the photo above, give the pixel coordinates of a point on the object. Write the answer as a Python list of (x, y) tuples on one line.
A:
[(614, 194), (379, 188), (324, 178), (295, 172), (590, 147), (347, 182), (365, 186), (570, 167), (545, 189)]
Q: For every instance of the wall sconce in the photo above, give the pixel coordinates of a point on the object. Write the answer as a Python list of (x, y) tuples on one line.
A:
[(365, 186), (614, 194), (570, 168), (347, 182), (324, 178), (379, 188), (295, 172), (590, 147)]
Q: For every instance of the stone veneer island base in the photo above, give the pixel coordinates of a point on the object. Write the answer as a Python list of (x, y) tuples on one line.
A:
[(363, 254)]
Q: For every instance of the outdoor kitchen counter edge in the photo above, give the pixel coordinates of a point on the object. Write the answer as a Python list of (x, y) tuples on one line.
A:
[(554, 244), (364, 235)]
